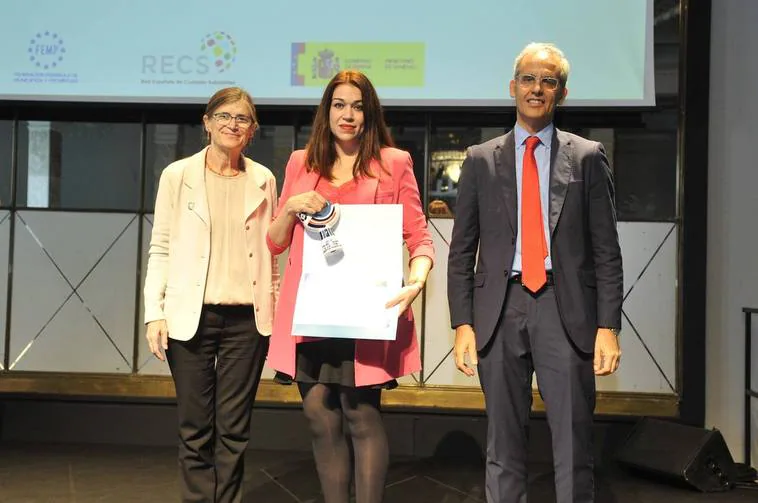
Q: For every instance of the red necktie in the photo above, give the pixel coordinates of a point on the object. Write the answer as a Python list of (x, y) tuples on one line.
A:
[(533, 245)]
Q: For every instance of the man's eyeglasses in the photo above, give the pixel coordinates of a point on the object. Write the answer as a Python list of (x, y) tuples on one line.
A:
[(242, 121), (527, 81)]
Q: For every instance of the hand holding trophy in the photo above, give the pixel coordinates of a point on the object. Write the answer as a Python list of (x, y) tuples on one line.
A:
[(321, 225)]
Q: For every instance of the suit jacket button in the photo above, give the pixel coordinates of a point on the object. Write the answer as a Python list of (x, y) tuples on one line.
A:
[(250, 255), (247, 227), (254, 283)]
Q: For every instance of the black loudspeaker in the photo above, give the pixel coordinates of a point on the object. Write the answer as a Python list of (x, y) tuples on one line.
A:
[(683, 455)]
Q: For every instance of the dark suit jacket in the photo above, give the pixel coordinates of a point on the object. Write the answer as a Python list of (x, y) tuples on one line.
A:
[(585, 249)]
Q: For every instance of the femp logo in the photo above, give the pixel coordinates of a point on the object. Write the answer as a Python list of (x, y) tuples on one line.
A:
[(218, 52), (46, 50), (46, 55)]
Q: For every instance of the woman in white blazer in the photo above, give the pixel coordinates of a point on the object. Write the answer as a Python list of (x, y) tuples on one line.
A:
[(210, 292)]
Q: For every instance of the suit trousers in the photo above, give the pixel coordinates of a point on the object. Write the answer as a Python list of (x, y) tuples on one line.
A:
[(529, 339), (216, 375)]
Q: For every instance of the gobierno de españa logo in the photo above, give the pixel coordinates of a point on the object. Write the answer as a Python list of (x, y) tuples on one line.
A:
[(221, 49), (46, 50)]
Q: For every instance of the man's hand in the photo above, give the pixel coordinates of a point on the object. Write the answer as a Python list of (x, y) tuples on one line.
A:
[(607, 352), (465, 342)]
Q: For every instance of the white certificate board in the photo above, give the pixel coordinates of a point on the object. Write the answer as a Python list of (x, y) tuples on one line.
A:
[(346, 298)]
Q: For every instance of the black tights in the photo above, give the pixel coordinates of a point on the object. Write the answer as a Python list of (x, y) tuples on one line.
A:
[(325, 405)]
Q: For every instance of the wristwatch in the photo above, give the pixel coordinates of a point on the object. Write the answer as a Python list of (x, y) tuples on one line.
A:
[(615, 331)]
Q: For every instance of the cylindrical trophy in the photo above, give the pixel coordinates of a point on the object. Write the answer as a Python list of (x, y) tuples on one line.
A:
[(321, 225)]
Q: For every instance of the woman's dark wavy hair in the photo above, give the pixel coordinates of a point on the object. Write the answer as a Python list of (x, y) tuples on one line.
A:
[(321, 153)]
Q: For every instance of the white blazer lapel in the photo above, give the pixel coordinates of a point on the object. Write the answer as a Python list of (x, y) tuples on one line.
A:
[(194, 180), (254, 189)]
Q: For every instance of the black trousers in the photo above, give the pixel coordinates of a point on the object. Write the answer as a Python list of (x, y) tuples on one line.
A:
[(216, 375), (530, 339)]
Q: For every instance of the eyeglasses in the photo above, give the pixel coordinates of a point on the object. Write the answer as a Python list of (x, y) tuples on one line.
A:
[(527, 80), (242, 121)]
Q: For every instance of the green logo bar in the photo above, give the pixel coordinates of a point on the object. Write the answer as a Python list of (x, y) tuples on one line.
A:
[(386, 64)]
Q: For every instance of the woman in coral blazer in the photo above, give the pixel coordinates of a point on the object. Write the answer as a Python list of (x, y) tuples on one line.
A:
[(349, 159), (210, 292)]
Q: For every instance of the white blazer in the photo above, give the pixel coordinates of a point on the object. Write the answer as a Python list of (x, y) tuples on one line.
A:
[(177, 266)]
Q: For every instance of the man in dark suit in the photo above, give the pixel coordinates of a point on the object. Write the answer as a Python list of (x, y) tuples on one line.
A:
[(535, 212)]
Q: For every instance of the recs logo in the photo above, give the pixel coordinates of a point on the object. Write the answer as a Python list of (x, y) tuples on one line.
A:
[(218, 52)]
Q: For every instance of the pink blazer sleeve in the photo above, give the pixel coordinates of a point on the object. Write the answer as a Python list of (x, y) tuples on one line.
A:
[(291, 173), (416, 233)]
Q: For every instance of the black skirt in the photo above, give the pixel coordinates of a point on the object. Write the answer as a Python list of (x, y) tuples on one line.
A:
[(327, 361)]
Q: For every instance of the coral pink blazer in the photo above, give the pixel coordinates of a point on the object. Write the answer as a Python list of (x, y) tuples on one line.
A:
[(375, 361)]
